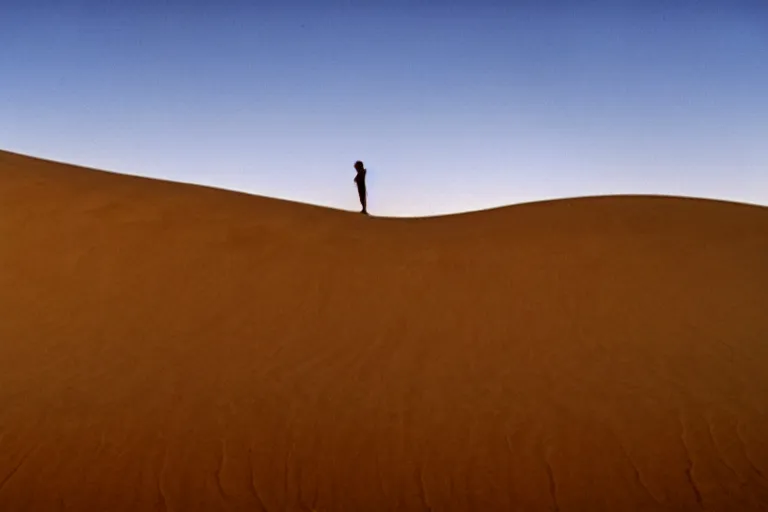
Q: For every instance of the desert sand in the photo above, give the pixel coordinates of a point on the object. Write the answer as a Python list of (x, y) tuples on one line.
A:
[(174, 347)]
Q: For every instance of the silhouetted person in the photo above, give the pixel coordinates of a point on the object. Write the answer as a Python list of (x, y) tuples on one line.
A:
[(361, 191)]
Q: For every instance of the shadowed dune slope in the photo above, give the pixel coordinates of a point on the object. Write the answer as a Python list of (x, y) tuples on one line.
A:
[(174, 347)]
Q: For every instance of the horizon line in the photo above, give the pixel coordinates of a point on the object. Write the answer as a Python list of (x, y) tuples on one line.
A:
[(342, 210)]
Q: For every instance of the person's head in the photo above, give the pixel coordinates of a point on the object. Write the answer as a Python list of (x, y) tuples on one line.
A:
[(359, 166)]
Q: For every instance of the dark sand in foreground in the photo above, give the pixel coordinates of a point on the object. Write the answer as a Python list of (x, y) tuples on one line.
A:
[(174, 347)]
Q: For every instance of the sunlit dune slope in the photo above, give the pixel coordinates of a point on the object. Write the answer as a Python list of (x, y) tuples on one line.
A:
[(173, 347)]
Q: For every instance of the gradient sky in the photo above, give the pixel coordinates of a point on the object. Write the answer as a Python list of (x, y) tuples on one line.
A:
[(453, 105)]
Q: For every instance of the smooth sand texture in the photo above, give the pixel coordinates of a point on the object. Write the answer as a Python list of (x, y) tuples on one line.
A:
[(173, 347)]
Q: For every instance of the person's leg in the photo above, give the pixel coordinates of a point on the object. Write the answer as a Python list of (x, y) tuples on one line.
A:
[(362, 192)]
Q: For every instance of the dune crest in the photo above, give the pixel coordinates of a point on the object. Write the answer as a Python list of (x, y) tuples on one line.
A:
[(174, 347)]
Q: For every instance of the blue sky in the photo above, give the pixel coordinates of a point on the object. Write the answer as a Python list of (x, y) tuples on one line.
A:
[(453, 105)]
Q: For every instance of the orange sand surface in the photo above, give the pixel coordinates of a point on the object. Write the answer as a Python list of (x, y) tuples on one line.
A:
[(175, 347)]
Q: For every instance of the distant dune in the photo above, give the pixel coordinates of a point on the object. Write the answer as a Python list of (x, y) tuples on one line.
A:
[(175, 347)]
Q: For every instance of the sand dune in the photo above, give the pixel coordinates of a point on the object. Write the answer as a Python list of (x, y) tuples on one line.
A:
[(174, 347)]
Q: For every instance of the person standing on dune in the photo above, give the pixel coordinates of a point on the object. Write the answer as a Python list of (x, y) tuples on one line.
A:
[(361, 191)]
